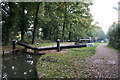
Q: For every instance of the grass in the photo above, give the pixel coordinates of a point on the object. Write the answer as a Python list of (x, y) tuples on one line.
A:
[(48, 44), (9, 47), (44, 44), (109, 46), (67, 65)]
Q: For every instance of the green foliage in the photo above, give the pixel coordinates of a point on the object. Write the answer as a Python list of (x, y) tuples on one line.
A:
[(66, 20), (15, 21), (95, 31), (65, 65), (8, 21), (114, 36), (46, 21)]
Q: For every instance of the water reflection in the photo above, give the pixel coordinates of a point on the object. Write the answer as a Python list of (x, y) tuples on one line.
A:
[(19, 66)]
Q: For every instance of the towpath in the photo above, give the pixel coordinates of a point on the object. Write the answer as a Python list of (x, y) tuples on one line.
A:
[(104, 64)]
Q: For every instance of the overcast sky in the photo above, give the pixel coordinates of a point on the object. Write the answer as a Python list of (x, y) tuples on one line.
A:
[(103, 12)]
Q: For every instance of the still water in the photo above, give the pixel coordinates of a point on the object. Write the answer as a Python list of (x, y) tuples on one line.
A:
[(20, 65)]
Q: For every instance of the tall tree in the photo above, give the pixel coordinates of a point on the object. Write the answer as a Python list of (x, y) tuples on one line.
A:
[(8, 15), (35, 24), (48, 21), (23, 20)]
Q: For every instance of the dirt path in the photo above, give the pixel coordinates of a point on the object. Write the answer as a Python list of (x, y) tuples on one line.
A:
[(104, 64)]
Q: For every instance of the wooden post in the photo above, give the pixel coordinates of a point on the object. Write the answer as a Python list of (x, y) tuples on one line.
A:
[(3, 53), (14, 46), (36, 50), (58, 45)]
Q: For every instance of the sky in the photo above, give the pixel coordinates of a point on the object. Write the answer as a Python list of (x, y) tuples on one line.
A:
[(103, 13)]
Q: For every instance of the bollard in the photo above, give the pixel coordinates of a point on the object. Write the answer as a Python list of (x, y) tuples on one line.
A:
[(13, 46), (58, 45), (36, 50), (25, 49), (3, 53)]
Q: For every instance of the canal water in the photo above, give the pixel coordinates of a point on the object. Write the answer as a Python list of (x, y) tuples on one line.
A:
[(20, 65)]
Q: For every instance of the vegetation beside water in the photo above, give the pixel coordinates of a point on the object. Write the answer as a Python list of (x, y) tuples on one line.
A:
[(9, 47), (109, 46), (36, 22), (65, 65), (49, 44), (114, 35)]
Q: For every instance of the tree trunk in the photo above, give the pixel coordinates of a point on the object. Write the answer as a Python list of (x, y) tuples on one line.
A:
[(22, 23), (9, 36), (63, 31), (70, 33), (22, 35), (64, 25), (10, 26), (35, 24), (50, 37)]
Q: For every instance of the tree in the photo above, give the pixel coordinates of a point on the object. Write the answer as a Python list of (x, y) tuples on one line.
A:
[(23, 19), (48, 21), (8, 15), (35, 24), (114, 36)]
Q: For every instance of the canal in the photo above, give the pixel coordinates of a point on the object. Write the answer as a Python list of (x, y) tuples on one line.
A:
[(20, 65)]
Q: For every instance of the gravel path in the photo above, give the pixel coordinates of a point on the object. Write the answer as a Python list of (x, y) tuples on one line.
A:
[(104, 64)]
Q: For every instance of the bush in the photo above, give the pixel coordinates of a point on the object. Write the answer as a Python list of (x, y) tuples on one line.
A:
[(114, 36)]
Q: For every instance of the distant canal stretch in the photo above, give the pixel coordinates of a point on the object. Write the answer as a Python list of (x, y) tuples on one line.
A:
[(20, 65)]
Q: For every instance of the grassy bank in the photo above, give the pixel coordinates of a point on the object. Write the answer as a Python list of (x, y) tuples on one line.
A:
[(9, 47), (49, 44), (109, 46), (67, 65)]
